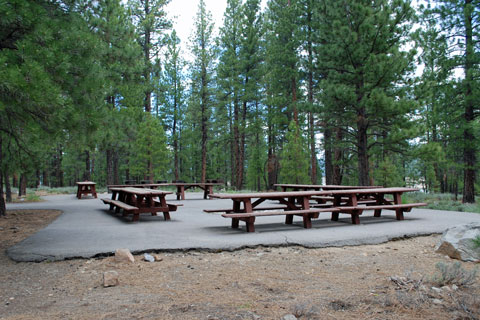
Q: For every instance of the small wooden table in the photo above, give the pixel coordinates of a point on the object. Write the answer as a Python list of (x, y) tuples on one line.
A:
[(207, 188), (86, 187), (292, 203), (140, 200)]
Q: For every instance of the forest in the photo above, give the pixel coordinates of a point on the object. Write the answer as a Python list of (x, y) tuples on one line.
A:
[(354, 92)]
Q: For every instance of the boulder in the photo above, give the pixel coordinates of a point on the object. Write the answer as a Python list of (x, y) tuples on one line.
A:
[(458, 242), (124, 255), (110, 279)]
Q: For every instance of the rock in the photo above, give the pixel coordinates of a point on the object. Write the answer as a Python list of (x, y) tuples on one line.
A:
[(437, 290), (437, 301), (110, 279), (148, 258), (457, 242), (289, 317), (157, 257), (124, 255), (454, 287)]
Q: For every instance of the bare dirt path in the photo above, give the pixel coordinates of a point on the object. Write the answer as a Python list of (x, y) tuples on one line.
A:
[(386, 281)]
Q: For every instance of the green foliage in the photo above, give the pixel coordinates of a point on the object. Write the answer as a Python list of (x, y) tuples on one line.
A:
[(441, 201), (448, 274), (388, 174), (476, 242), (294, 157), (150, 148)]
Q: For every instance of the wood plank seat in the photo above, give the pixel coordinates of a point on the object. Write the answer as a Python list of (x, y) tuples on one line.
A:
[(254, 209), (249, 218), (356, 211), (117, 205)]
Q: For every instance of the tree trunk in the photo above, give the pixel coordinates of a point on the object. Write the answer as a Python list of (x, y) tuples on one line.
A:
[(469, 157), (58, 167), (327, 144), (109, 159), (204, 122), (22, 188), (116, 177), (86, 173), (148, 64), (3, 206), (362, 148), (313, 152), (338, 157)]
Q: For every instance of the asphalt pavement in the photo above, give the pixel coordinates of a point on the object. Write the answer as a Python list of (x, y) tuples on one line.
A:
[(87, 229)]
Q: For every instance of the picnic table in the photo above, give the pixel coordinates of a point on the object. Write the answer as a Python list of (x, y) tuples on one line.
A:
[(298, 187), (86, 187), (140, 200), (298, 203), (355, 201), (207, 188), (295, 203), (138, 185)]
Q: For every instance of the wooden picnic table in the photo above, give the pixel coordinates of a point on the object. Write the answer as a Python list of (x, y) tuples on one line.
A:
[(298, 203), (138, 185), (207, 188), (305, 187), (86, 187), (355, 201), (140, 200), (291, 203)]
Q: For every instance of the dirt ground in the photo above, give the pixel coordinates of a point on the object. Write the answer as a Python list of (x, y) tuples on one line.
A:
[(386, 281)]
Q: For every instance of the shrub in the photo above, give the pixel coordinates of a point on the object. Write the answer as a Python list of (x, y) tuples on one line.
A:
[(453, 274)]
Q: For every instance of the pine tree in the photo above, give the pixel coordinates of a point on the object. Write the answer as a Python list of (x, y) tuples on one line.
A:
[(230, 83), (150, 149), (173, 98), (459, 20), (49, 80), (151, 20), (204, 52), (362, 58), (294, 157)]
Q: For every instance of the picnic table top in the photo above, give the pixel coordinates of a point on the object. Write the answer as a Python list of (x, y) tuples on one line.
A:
[(85, 183), (138, 185), (327, 186), (310, 193), (195, 184), (142, 191), (165, 184)]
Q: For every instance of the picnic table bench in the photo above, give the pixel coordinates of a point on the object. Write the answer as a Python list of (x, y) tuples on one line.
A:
[(140, 200), (86, 187), (292, 204)]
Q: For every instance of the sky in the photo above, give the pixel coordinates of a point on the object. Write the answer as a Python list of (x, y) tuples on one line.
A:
[(183, 13)]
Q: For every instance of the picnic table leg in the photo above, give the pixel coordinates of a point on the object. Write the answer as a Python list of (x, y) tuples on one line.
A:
[(181, 192), (307, 220), (397, 199), (289, 218), (250, 221), (250, 224), (378, 212), (163, 203), (236, 209), (336, 203)]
